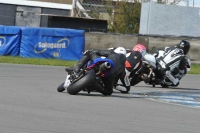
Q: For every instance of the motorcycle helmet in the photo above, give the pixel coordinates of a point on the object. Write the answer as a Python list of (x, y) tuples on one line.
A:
[(120, 50), (140, 48), (184, 45)]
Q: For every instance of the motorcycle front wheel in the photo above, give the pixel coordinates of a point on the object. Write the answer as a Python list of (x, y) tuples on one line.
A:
[(82, 83), (60, 88), (135, 80)]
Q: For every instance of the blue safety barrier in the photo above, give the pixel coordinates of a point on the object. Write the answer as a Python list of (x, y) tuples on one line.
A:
[(9, 40), (65, 44)]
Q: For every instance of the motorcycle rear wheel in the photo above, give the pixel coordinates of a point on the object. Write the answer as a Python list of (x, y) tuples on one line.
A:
[(82, 83), (135, 81), (164, 85)]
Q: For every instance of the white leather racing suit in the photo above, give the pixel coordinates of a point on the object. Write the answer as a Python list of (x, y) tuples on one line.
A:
[(173, 64)]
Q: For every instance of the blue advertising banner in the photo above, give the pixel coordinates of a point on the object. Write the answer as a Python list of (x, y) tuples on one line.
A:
[(9, 40), (65, 44)]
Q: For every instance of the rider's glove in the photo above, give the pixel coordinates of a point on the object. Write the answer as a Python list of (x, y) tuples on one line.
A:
[(88, 51)]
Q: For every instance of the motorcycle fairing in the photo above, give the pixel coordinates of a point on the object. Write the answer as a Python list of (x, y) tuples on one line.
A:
[(171, 59), (150, 59)]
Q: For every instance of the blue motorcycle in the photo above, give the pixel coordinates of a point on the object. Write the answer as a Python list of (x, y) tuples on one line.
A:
[(92, 72)]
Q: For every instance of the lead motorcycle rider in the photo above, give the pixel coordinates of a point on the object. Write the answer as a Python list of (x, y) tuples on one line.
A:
[(118, 57), (173, 63)]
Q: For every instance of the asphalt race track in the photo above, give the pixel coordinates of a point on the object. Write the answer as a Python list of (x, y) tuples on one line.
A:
[(30, 103)]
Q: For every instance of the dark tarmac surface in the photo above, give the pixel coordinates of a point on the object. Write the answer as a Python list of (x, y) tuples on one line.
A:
[(30, 103)]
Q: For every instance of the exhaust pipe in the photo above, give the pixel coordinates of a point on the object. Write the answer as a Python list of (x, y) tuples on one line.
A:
[(105, 66)]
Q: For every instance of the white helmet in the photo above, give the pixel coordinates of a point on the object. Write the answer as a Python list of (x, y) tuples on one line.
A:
[(120, 50)]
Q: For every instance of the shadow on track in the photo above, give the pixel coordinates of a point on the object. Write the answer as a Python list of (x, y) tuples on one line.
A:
[(96, 94)]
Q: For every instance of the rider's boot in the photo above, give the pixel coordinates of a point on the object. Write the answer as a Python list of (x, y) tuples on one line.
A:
[(174, 80), (80, 63)]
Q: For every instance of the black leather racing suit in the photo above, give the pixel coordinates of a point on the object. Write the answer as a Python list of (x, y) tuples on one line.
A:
[(118, 72)]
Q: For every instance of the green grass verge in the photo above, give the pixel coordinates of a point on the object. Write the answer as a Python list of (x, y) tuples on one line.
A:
[(195, 69), (35, 61)]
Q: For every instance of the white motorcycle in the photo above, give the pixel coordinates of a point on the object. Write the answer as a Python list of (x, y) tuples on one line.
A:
[(150, 73)]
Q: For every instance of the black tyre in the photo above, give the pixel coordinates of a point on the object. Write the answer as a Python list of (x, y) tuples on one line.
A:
[(164, 85), (135, 81), (60, 88), (81, 84)]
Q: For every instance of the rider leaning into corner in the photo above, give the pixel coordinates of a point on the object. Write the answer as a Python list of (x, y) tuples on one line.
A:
[(173, 62), (118, 57), (134, 58)]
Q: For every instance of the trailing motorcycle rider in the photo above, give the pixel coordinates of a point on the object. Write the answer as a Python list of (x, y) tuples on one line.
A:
[(173, 63), (118, 57), (134, 60), (134, 57)]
